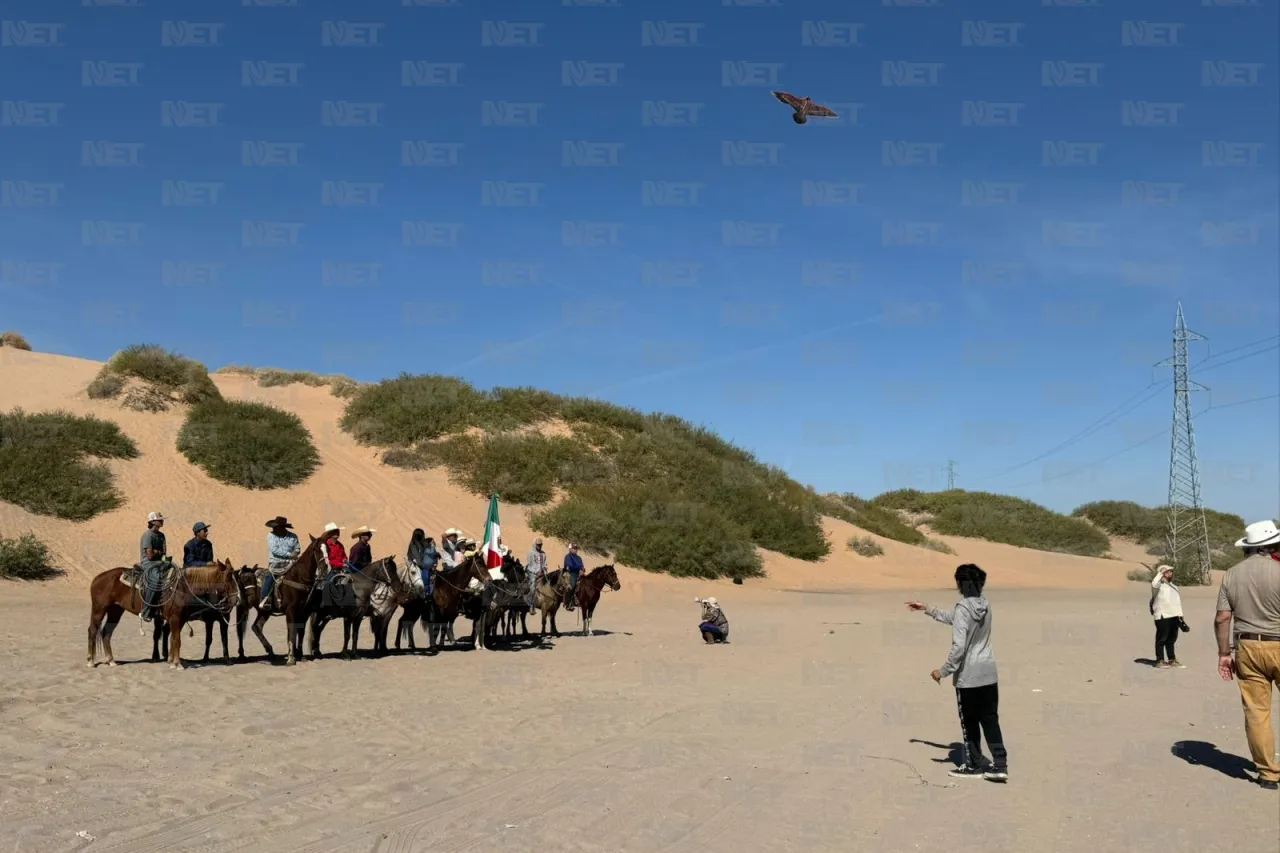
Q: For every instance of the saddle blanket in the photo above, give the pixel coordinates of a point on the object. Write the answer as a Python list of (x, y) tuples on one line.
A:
[(132, 577)]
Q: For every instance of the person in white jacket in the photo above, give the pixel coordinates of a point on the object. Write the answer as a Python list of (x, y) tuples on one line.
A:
[(1166, 609)]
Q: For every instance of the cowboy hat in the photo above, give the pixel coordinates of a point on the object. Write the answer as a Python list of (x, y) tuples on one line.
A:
[(280, 521), (154, 516), (711, 602), (363, 531), (198, 526), (453, 531), (1259, 533), (331, 528)]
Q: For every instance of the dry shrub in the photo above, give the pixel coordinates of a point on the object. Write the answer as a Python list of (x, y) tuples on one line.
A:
[(15, 340), (865, 546)]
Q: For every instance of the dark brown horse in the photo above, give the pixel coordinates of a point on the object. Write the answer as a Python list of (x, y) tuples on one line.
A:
[(294, 596), (590, 586), (109, 599), (198, 593), (350, 598), (450, 596)]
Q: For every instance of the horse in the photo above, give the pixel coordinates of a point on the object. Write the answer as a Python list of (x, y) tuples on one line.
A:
[(450, 597), (590, 586), (294, 592), (415, 603), (110, 598), (502, 599), (201, 590), (350, 600), (550, 595)]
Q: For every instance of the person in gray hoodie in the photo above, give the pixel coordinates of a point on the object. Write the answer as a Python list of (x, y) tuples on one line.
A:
[(972, 667)]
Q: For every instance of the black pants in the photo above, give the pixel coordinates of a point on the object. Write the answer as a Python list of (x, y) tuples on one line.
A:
[(980, 715), (1166, 636)]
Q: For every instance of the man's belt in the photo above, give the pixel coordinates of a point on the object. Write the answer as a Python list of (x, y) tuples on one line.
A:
[(1266, 638)]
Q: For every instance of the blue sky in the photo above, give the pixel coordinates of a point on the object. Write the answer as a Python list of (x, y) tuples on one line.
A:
[(980, 258)]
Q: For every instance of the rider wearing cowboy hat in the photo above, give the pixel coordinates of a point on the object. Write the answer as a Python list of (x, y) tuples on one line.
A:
[(283, 549), (153, 548), (334, 553), (449, 547), (361, 553)]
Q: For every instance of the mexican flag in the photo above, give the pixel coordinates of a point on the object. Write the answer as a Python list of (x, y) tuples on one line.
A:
[(492, 530)]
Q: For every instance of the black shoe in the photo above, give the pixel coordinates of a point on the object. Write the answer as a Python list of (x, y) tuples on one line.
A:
[(996, 774), (1268, 784), (966, 773)]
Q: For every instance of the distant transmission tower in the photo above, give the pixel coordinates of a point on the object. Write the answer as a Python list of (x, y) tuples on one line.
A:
[(1188, 535), (951, 475)]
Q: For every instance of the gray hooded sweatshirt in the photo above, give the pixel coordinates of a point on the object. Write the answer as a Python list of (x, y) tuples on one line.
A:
[(971, 662)]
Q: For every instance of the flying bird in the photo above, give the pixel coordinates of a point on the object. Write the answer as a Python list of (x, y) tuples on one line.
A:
[(804, 107)]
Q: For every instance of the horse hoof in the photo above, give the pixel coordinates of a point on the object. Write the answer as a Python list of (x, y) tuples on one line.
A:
[(91, 664), (112, 663), (290, 662)]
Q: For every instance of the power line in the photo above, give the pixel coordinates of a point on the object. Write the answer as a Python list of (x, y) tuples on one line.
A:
[(1146, 394), (1212, 355), (1136, 444)]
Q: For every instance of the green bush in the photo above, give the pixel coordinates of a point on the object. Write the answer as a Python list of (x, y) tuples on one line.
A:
[(44, 466), (1000, 518), (866, 546), (880, 521), (14, 340), (644, 527), (169, 375), (1149, 525), (248, 444), (26, 558), (1144, 575), (615, 457)]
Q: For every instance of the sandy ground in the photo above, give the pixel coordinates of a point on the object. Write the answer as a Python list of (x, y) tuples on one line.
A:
[(796, 737)]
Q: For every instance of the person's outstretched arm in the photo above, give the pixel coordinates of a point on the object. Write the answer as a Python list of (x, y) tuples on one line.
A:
[(959, 643)]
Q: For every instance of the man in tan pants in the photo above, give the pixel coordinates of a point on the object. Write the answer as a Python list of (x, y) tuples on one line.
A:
[(1250, 595)]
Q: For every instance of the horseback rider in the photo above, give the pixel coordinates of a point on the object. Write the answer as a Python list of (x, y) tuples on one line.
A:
[(283, 549), (449, 548), (573, 565), (536, 566), (153, 564), (424, 556), (199, 550), (361, 553), (335, 554)]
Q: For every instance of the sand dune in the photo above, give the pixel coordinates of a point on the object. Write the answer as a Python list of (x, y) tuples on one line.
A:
[(352, 487)]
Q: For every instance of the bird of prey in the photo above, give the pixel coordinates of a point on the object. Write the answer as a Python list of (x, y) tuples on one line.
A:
[(804, 107)]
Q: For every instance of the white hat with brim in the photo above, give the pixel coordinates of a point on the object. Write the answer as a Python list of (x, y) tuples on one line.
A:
[(331, 528), (155, 516), (453, 531), (711, 602), (363, 531), (1259, 533)]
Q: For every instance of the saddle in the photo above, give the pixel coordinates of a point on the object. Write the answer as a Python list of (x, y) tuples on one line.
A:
[(132, 577)]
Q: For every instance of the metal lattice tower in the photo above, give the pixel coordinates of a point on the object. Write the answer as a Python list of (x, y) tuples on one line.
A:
[(951, 475), (1188, 535)]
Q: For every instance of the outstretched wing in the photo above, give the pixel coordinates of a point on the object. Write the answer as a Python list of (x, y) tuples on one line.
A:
[(819, 110), (789, 99)]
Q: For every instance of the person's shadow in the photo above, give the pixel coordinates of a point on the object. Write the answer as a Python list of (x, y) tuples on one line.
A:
[(955, 752), (1208, 755)]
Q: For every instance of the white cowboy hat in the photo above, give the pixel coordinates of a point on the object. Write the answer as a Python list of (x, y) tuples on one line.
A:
[(362, 530), (154, 516), (1161, 569), (331, 527), (711, 601), (1259, 533), (453, 531)]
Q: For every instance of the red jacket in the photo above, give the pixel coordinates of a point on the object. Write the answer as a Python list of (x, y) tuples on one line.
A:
[(336, 552)]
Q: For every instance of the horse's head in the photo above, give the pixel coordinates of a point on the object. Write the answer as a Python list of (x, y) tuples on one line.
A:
[(609, 576)]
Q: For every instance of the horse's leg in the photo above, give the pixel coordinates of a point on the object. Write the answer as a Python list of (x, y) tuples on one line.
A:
[(242, 619), (175, 640), (95, 623), (114, 612), (258, 622), (222, 631), (355, 636), (208, 638)]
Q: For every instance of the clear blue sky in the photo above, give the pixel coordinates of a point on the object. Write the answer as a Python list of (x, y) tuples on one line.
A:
[(855, 365)]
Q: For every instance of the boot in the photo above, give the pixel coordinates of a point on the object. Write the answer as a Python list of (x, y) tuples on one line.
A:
[(708, 638)]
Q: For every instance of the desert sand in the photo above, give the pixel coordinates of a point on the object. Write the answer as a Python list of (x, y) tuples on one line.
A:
[(816, 729)]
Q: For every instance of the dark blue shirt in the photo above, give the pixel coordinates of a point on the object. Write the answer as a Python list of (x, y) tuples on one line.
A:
[(197, 552), (573, 563)]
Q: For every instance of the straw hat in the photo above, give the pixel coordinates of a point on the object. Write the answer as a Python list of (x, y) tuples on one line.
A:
[(1259, 533), (453, 531), (331, 528), (363, 531)]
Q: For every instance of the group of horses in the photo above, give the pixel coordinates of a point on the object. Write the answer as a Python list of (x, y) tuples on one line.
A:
[(308, 597)]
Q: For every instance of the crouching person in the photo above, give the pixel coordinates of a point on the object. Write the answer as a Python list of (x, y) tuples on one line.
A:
[(715, 625)]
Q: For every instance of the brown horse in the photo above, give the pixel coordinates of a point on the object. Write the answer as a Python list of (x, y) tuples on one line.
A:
[(551, 593), (449, 596), (109, 599), (199, 592), (590, 586), (294, 594)]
